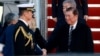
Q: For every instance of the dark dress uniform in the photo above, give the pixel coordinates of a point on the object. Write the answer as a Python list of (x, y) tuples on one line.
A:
[(25, 40), (81, 40)]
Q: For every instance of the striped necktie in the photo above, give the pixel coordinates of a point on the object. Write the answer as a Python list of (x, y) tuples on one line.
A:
[(69, 39)]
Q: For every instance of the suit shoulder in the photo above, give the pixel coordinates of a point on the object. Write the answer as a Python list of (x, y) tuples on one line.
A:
[(10, 27), (85, 26)]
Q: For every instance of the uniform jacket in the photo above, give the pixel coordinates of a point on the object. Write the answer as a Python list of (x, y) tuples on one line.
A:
[(20, 42)]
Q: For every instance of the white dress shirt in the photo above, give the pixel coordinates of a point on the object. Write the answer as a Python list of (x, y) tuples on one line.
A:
[(1, 47), (74, 25)]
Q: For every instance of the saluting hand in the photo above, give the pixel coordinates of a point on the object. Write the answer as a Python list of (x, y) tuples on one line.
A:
[(32, 24)]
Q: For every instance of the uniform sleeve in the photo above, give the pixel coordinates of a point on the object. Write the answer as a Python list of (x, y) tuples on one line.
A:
[(54, 8), (84, 7), (39, 39)]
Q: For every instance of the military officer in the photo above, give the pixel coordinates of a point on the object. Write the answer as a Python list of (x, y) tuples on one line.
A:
[(25, 40)]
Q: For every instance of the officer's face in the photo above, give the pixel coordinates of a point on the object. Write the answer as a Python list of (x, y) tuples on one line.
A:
[(70, 17), (29, 15)]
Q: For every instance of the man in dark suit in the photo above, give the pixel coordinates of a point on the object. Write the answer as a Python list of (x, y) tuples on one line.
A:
[(82, 7), (74, 37), (61, 19), (6, 37), (58, 11), (25, 40)]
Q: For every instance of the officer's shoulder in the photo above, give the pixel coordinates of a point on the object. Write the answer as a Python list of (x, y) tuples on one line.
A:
[(18, 25)]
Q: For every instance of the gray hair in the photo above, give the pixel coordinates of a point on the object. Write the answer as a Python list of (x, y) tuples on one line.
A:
[(10, 16), (72, 2)]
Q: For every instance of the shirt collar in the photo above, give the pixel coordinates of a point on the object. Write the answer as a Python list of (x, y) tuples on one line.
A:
[(74, 25), (24, 21)]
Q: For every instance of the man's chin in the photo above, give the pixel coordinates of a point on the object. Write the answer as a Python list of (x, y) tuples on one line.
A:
[(69, 23)]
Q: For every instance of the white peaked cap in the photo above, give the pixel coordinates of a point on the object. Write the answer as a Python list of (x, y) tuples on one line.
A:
[(26, 5)]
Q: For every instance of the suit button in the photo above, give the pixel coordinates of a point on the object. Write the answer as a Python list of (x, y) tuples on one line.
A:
[(68, 50)]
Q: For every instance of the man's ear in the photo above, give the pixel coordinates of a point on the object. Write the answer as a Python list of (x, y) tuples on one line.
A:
[(25, 13), (77, 16)]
